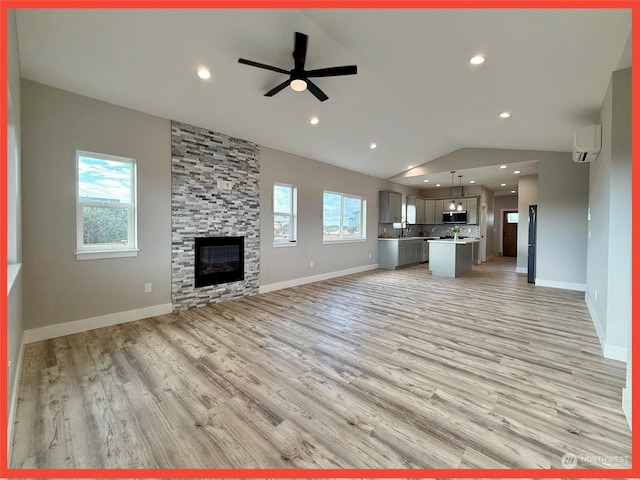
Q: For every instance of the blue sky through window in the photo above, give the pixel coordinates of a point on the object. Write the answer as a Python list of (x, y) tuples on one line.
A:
[(104, 181)]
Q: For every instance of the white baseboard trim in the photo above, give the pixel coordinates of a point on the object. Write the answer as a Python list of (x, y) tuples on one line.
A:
[(626, 405), (580, 287), (271, 287), (77, 326), (13, 401), (524, 270), (613, 352)]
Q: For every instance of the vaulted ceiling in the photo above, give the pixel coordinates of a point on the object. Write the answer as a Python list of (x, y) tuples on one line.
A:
[(415, 95)]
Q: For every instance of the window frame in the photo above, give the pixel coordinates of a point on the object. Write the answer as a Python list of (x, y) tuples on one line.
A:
[(84, 252), (363, 219), (293, 215)]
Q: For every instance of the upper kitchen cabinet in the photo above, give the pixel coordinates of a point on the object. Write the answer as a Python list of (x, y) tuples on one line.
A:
[(416, 211), (390, 207), (430, 212), (472, 210)]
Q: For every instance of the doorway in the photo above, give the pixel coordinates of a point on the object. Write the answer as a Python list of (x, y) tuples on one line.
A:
[(510, 233)]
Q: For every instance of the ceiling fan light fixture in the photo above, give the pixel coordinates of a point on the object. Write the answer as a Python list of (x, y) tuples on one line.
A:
[(298, 85)]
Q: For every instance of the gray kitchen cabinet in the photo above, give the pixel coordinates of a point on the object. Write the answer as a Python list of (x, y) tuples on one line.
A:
[(472, 210), (416, 214), (398, 253), (390, 207), (438, 209), (421, 206), (430, 212)]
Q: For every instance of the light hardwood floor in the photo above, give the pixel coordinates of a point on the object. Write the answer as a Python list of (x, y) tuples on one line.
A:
[(375, 370)]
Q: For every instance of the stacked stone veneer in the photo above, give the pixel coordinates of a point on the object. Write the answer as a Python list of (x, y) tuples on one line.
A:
[(199, 208)]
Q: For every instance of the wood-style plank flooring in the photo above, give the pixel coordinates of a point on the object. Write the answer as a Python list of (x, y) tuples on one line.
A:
[(375, 370)]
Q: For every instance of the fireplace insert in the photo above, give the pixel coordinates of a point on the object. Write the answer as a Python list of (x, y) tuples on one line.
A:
[(219, 260)]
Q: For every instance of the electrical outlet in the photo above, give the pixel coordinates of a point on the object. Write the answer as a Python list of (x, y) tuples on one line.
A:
[(384, 230), (148, 288), (311, 263)]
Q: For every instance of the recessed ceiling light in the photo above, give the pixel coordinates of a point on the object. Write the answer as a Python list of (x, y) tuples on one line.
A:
[(505, 115), (472, 181), (516, 172), (477, 60), (314, 120), (410, 166), (426, 181), (372, 146), (513, 191), (503, 184), (203, 73), (437, 184), (503, 166)]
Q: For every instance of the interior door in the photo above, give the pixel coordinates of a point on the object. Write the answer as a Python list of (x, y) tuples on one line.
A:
[(510, 234)]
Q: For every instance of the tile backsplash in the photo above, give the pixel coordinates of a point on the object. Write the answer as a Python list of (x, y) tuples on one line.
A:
[(433, 230)]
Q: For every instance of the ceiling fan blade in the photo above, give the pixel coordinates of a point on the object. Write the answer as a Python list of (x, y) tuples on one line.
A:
[(262, 65), (276, 89), (319, 94), (333, 71), (300, 50)]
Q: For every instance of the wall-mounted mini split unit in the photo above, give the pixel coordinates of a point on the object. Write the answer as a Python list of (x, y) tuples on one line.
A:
[(587, 143)]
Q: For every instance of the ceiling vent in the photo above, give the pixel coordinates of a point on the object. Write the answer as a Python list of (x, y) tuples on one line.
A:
[(587, 143)]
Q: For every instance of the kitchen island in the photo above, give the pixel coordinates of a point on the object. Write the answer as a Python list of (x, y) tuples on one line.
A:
[(451, 258)]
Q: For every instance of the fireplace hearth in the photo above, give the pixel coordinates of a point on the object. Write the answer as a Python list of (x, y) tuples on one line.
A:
[(218, 260)]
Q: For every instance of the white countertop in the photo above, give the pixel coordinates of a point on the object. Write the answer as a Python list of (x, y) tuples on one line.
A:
[(463, 241), (410, 238)]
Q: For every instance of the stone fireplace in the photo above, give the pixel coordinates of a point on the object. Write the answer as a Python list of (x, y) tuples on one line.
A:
[(214, 198)]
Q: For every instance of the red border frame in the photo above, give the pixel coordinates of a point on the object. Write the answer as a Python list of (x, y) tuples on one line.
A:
[(634, 5)]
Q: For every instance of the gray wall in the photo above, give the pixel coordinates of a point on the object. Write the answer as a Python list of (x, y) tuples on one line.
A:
[(527, 195), (609, 246), (59, 288), (312, 178), (502, 202), (14, 298), (563, 197)]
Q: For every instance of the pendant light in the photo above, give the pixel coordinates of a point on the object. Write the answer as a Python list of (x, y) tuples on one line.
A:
[(452, 205), (459, 208)]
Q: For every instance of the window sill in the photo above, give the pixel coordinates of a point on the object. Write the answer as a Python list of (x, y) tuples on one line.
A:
[(331, 242), (106, 254), (13, 270), (285, 244)]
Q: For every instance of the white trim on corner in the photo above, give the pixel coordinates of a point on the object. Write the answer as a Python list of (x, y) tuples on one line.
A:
[(626, 405), (580, 287), (612, 352), (13, 401), (524, 270), (77, 326), (271, 287), (594, 319), (615, 352)]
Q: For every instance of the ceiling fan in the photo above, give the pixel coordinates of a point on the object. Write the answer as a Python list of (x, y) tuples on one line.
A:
[(298, 76)]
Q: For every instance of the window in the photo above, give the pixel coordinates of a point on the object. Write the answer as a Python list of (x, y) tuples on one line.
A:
[(285, 224), (106, 206), (512, 217), (343, 217)]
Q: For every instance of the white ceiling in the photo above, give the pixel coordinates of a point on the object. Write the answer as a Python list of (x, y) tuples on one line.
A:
[(415, 95)]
